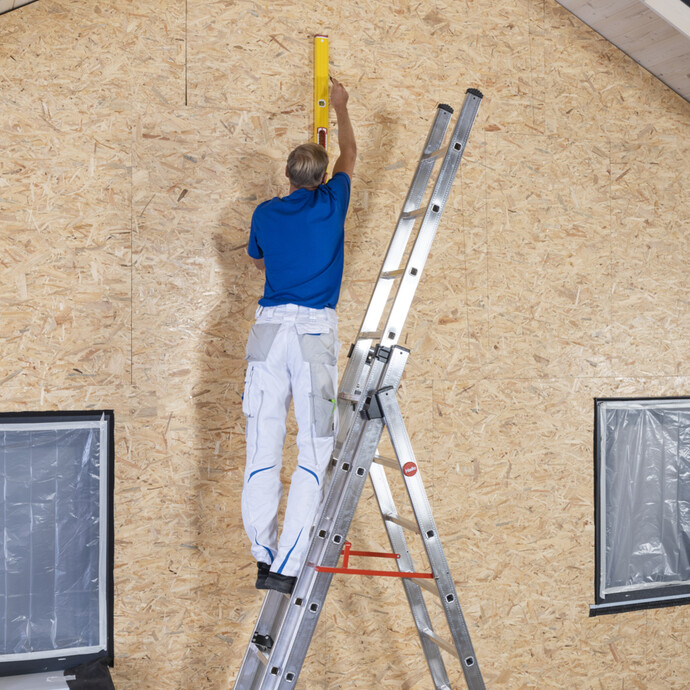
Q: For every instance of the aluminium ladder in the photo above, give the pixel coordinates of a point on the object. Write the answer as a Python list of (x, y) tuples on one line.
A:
[(366, 403)]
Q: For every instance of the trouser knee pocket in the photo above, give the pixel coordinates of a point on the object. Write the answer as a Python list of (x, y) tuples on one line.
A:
[(251, 398), (322, 400), (319, 350), (260, 341)]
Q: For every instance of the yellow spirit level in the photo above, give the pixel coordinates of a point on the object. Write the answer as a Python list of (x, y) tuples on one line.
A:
[(321, 90)]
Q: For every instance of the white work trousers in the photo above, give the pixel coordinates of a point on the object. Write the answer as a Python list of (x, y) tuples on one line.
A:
[(292, 352)]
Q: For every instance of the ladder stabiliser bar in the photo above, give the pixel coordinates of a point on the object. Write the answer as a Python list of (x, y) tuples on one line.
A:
[(346, 570)]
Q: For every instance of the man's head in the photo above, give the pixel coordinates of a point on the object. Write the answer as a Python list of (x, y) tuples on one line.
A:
[(306, 166)]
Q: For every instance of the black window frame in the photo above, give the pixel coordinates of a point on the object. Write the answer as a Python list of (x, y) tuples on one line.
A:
[(644, 598), (69, 661)]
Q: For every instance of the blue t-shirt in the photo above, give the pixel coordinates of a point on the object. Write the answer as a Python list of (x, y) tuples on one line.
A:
[(301, 238)]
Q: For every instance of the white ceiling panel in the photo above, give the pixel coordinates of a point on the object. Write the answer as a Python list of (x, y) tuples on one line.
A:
[(655, 38), (7, 5)]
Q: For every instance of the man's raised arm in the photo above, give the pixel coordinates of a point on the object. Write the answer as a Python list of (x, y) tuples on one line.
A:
[(346, 135)]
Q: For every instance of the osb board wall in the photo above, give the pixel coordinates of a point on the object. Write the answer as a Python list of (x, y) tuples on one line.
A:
[(137, 138)]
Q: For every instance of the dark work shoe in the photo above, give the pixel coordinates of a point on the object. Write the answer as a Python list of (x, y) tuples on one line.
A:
[(263, 570), (281, 583)]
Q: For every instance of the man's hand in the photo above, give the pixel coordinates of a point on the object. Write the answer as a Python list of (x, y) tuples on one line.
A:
[(339, 95)]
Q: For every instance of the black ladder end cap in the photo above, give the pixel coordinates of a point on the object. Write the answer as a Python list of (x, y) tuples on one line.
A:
[(446, 107), (475, 92)]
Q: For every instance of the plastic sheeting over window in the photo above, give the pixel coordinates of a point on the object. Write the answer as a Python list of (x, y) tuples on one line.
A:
[(55, 521), (643, 503)]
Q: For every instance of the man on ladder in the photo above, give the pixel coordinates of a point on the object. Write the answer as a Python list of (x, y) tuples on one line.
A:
[(298, 240)]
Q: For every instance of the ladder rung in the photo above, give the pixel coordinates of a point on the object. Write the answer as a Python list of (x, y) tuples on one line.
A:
[(428, 586), (393, 274), (388, 462), (403, 522), (435, 154), (370, 335), (408, 215), (349, 397), (263, 658), (450, 648)]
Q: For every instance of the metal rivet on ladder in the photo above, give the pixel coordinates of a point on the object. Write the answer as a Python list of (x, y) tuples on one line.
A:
[(289, 677), (314, 607), (322, 533), (469, 661), (360, 471), (435, 208), (457, 146), (275, 671), (391, 334), (346, 466), (430, 534), (413, 272), (337, 539), (450, 598), (299, 601)]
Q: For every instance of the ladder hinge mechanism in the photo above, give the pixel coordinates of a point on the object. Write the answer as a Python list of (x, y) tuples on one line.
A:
[(372, 409), (372, 406), (382, 353)]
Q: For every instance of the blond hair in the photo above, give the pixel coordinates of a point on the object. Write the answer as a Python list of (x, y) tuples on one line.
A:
[(306, 165)]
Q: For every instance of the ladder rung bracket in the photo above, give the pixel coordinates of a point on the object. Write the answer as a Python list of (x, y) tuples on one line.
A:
[(446, 646), (429, 587), (409, 215), (387, 462), (263, 658), (370, 335), (390, 275), (403, 522), (433, 155), (349, 397)]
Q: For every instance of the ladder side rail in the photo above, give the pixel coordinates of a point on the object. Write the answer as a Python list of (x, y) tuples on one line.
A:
[(356, 370), (430, 538), (404, 225), (427, 232), (396, 249), (268, 622), (329, 536), (415, 598)]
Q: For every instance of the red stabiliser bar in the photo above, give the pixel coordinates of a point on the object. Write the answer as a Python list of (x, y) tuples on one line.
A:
[(345, 570)]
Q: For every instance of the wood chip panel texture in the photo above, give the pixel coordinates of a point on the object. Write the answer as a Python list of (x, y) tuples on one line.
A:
[(137, 137)]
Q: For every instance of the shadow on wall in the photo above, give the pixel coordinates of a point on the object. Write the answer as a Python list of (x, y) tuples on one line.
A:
[(227, 602)]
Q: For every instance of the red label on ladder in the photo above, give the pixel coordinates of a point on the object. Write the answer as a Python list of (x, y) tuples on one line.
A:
[(409, 469)]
